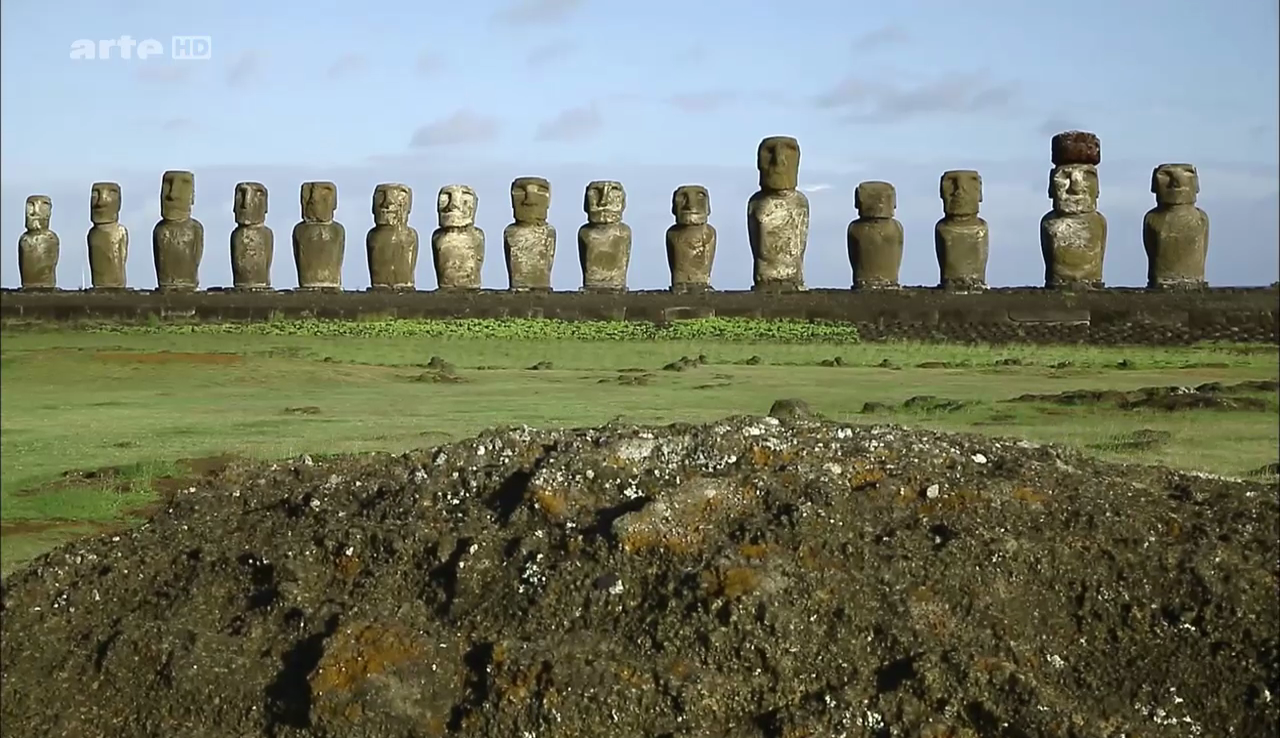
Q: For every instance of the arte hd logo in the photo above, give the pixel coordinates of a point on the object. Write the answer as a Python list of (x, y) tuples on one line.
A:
[(183, 48)]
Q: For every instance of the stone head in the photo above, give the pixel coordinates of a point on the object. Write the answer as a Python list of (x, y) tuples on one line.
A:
[(778, 159), (603, 201), (961, 192), (456, 205), (691, 204), (1076, 147), (1074, 188), (319, 201), (391, 204), (875, 199), (1175, 184), (530, 199), (250, 206), (177, 194), (39, 211), (104, 203)]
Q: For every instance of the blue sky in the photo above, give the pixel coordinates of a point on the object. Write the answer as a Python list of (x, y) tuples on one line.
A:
[(654, 94)]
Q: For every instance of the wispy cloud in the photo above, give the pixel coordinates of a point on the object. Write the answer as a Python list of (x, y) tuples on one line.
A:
[(461, 128), (346, 65), (572, 124), (246, 67), (815, 187), (537, 12), (428, 64), (879, 38), (862, 100), (549, 53), (177, 125), (1056, 124), (165, 74), (702, 102)]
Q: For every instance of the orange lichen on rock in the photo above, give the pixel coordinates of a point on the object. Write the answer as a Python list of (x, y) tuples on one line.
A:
[(359, 652), (550, 503), (733, 582)]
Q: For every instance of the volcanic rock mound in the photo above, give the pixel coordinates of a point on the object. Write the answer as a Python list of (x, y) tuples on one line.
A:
[(749, 578)]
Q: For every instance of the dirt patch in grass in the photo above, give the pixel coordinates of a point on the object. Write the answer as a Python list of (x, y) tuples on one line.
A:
[(167, 357)]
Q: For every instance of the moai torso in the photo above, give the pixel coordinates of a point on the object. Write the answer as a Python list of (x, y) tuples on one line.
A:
[(391, 244), (529, 243), (604, 241), (1175, 233), (38, 247), (177, 242), (778, 217), (1073, 236), (961, 239), (875, 238), (691, 242), (319, 243), (252, 242), (457, 246), (108, 240)]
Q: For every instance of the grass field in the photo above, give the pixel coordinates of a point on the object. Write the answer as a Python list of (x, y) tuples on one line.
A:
[(143, 398)]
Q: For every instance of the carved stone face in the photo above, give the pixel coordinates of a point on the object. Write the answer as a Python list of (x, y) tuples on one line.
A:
[(530, 199), (456, 205), (875, 200), (1074, 188), (39, 211), (319, 201), (604, 201), (104, 203), (177, 194), (250, 206), (961, 192), (391, 204), (691, 204), (778, 159), (1175, 184)]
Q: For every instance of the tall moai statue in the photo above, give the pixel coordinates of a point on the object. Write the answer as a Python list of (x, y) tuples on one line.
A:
[(457, 246), (38, 247), (177, 242), (392, 245), (1073, 236), (604, 241), (252, 242), (108, 239), (319, 242), (529, 244), (778, 217), (961, 239), (1175, 233), (875, 237), (691, 242)]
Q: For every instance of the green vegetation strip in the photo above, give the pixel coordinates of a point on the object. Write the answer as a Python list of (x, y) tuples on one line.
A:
[(709, 329)]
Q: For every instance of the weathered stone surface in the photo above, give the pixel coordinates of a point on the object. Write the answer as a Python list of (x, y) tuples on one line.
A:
[(252, 242), (778, 217), (961, 239), (1175, 233), (38, 247), (392, 245), (1073, 236), (604, 241), (319, 243), (108, 240), (691, 242), (875, 238), (1076, 147), (529, 244), (457, 246), (177, 241)]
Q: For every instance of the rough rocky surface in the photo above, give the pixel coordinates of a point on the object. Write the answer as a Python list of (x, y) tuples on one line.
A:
[(751, 577)]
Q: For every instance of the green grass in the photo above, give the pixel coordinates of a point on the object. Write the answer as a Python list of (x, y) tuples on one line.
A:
[(110, 396)]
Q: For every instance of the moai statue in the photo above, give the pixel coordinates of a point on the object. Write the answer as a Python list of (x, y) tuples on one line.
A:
[(457, 246), (319, 243), (875, 237), (691, 242), (177, 242), (961, 238), (1073, 236), (604, 241), (1175, 232), (392, 244), (778, 217), (530, 242), (38, 247), (252, 242), (108, 240)]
